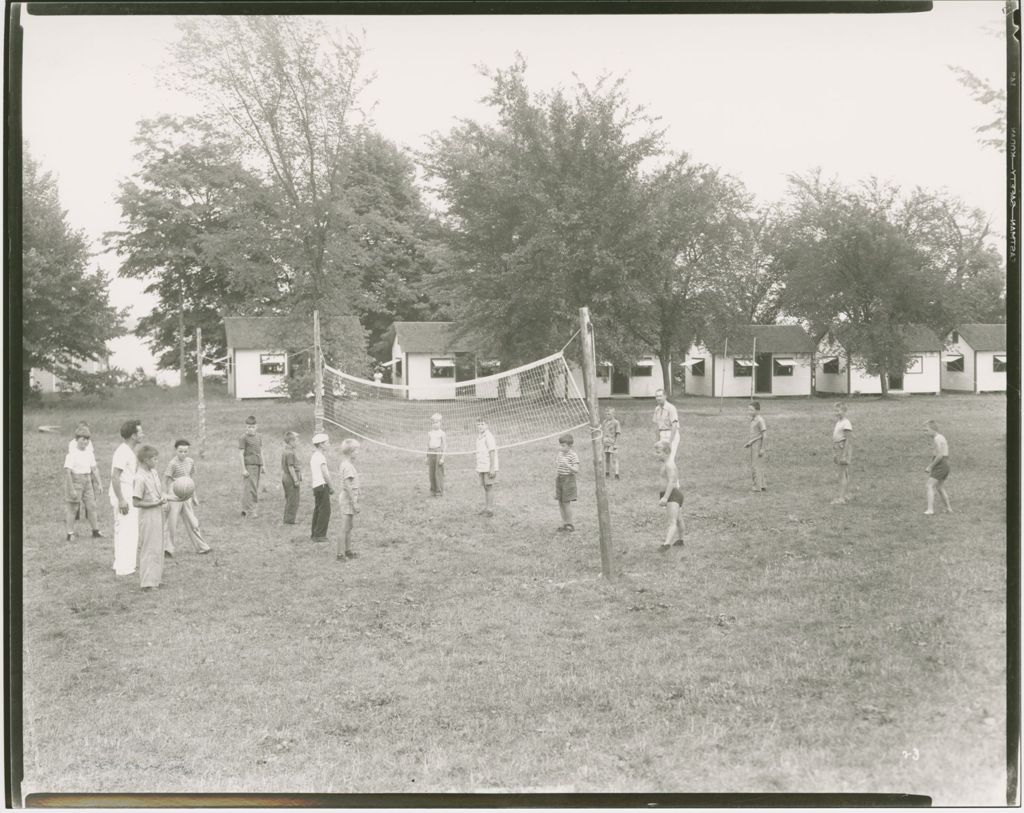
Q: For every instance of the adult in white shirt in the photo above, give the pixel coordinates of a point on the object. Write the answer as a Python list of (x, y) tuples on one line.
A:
[(666, 422), (122, 485)]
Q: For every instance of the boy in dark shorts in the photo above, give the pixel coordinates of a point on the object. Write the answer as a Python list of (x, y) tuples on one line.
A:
[(938, 469), (671, 495), (567, 464)]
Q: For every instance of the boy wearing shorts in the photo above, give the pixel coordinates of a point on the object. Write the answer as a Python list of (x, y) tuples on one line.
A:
[(567, 465), (758, 445), (486, 464), (671, 495), (938, 469), (81, 483)]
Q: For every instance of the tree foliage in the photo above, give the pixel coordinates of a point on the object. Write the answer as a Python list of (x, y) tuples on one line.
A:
[(875, 260), (190, 191), (66, 310), (543, 210)]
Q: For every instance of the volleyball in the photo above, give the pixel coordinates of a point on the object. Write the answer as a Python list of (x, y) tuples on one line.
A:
[(183, 487)]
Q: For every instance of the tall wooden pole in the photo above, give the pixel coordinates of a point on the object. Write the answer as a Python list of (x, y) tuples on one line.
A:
[(318, 377), (202, 400), (604, 522), (753, 370), (725, 359)]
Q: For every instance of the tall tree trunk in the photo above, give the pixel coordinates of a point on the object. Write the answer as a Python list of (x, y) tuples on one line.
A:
[(665, 359), (181, 332), (885, 382)]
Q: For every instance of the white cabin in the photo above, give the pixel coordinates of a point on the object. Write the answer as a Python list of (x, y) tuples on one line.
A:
[(779, 363), (258, 353), (975, 359), (837, 372)]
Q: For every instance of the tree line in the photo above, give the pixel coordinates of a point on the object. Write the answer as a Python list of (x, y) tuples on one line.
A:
[(282, 198)]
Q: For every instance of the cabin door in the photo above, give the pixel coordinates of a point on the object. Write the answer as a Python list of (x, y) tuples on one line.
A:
[(763, 374)]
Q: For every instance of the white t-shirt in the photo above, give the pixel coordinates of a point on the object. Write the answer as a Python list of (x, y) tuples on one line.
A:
[(842, 426), (485, 443), (127, 462), (316, 463), (941, 446), (435, 438), (80, 461)]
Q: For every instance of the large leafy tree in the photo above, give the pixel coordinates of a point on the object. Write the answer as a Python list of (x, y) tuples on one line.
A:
[(288, 90), (694, 237), (543, 208), (66, 310), (189, 193), (851, 260)]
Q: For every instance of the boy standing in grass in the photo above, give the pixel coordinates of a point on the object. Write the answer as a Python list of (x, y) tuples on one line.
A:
[(348, 501), (671, 495), (323, 488), (437, 444), (72, 446), (486, 464), (938, 469), (250, 447), (610, 431), (567, 464), (122, 483), (758, 445), (149, 500), (81, 484), (181, 465), (842, 449), (290, 477), (666, 421)]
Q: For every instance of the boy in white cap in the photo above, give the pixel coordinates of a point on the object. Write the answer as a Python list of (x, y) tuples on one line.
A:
[(323, 488)]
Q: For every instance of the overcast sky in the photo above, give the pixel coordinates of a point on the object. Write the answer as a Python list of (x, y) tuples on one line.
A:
[(759, 96)]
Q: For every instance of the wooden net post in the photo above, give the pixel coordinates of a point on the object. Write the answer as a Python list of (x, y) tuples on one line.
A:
[(199, 390), (318, 377), (604, 523)]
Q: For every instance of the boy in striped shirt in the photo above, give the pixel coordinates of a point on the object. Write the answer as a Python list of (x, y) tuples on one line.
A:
[(567, 464), (181, 465)]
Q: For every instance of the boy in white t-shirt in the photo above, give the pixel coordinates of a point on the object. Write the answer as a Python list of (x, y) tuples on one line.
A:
[(486, 464), (72, 445), (437, 444), (842, 450), (81, 484)]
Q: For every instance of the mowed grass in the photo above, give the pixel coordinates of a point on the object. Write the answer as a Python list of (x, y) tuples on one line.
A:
[(790, 646)]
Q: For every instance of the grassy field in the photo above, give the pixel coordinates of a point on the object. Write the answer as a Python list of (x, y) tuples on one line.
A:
[(792, 645)]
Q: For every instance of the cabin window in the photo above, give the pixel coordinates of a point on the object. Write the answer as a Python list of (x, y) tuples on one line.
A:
[(831, 366), (486, 367), (954, 364), (742, 368), (272, 363), (697, 368), (916, 366), (782, 367), (644, 370), (604, 371), (442, 368), (998, 364)]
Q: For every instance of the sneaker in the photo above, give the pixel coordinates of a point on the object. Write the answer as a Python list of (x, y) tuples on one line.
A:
[(340, 557), (570, 527), (664, 546), (97, 534), (168, 555), (488, 513), (679, 542), (561, 528), (69, 538), (929, 513), (208, 550), (617, 477), (351, 554)]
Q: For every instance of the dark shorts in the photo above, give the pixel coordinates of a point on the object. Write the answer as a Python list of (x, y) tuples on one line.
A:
[(565, 487), (940, 471), (675, 495)]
